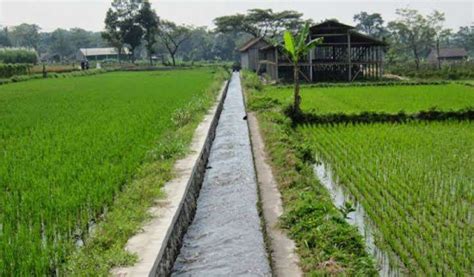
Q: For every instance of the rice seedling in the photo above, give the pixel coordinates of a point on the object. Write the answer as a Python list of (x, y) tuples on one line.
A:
[(389, 99), (415, 180)]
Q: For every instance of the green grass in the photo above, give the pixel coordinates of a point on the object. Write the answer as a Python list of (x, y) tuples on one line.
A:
[(390, 99), (72, 147), (415, 181)]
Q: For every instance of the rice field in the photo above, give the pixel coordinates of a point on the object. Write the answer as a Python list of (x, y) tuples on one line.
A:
[(67, 147), (415, 180), (389, 99)]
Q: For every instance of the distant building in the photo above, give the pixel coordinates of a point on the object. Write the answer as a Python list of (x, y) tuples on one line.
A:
[(99, 54), (448, 55), (344, 55)]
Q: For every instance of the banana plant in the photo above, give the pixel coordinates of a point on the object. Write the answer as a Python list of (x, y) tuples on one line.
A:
[(296, 49)]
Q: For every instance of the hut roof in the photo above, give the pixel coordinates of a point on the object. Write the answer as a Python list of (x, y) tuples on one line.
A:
[(250, 43), (449, 53), (101, 51), (335, 32), (331, 24)]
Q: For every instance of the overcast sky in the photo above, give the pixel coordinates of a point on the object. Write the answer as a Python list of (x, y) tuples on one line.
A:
[(89, 14)]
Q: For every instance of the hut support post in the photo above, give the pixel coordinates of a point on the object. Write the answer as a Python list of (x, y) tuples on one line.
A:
[(276, 64), (349, 74), (311, 65)]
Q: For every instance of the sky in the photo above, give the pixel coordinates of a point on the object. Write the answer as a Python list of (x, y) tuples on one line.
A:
[(89, 14)]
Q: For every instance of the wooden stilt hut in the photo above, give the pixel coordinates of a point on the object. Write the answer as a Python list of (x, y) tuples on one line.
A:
[(344, 55)]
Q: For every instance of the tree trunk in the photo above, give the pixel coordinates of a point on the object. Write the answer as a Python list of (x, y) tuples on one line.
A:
[(172, 58), (297, 100), (417, 58), (132, 56), (149, 56), (119, 51), (437, 54)]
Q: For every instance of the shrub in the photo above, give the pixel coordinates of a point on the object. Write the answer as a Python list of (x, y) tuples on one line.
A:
[(54, 68), (18, 55), (454, 71), (9, 70), (251, 80)]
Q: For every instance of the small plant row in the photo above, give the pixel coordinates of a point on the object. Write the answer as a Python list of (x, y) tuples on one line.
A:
[(457, 71), (467, 84), (414, 182), (380, 117), (54, 69), (18, 55), (370, 84), (8, 70), (22, 78)]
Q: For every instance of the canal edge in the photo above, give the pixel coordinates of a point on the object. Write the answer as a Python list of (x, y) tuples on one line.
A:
[(284, 260), (158, 245)]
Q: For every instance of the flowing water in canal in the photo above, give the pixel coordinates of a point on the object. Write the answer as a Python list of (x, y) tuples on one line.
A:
[(387, 263), (225, 237)]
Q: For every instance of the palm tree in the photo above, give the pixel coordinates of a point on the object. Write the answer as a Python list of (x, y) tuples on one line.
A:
[(296, 49)]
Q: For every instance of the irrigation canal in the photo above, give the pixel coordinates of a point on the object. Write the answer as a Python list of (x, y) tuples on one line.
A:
[(225, 237)]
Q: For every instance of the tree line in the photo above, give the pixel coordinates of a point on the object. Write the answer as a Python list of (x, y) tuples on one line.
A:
[(58, 45), (136, 25), (412, 36)]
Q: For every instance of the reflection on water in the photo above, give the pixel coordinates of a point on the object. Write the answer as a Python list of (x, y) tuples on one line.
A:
[(360, 219)]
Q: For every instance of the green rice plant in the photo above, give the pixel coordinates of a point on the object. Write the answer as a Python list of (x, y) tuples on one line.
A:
[(415, 182), (354, 100), (71, 148)]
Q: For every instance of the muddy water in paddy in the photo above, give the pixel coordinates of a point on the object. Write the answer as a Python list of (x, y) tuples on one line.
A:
[(359, 218), (225, 237)]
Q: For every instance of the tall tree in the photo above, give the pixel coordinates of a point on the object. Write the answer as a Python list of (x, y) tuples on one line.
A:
[(260, 22), (25, 35), (296, 49), (4, 37), (413, 32), (464, 37), (61, 44), (132, 35), (436, 20), (235, 24), (121, 25), (112, 33), (173, 36), (223, 47), (371, 24), (198, 46), (149, 22), (81, 38)]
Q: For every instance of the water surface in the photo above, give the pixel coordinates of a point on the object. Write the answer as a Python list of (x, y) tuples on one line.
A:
[(225, 238)]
